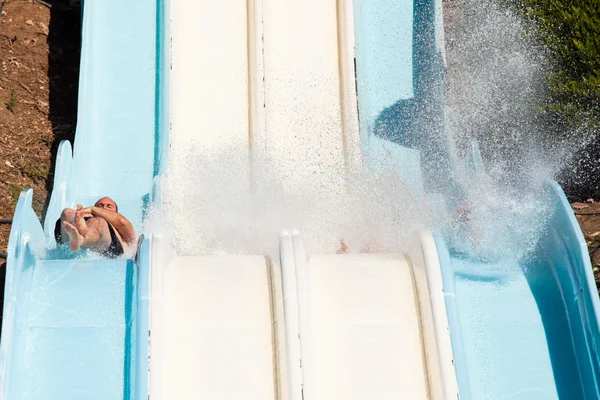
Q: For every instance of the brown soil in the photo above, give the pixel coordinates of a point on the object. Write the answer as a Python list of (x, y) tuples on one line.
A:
[(39, 57), (588, 216), (39, 72)]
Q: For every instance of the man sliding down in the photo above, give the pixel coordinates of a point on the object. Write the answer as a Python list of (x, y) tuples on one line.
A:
[(99, 228)]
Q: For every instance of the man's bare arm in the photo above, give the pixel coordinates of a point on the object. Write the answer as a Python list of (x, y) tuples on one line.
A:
[(121, 224)]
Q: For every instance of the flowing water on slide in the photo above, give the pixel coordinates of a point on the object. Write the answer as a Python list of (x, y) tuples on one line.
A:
[(218, 204), (495, 84)]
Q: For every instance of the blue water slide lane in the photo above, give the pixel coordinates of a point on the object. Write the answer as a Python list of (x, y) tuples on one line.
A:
[(399, 81), (521, 329), (77, 327), (530, 329)]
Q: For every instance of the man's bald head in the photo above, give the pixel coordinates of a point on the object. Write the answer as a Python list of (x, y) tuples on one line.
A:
[(108, 204)]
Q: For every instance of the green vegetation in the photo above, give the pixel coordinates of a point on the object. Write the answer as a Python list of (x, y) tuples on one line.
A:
[(570, 30), (12, 102), (34, 172), (15, 191)]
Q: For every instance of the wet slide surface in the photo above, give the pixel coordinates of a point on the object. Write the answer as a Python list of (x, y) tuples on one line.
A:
[(275, 79), (521, 328), (508, 351), (258, 80), (218, 338), (367, 303), (526, 328), (75, 346), (70, 324), (252, 80)]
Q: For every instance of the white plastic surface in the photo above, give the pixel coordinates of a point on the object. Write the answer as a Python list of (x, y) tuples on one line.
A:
[(304, 88), (434, 320), (275, 78), (217, 339), (366, 326), (293, 349), (262, 76), (209, 84)]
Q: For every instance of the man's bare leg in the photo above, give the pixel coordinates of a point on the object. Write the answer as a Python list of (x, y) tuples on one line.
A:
[(75, 238), (97, 237)]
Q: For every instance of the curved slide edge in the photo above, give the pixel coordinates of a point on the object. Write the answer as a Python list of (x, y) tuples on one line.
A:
[(567, 254), (58, 197), (144, 265), (431, 316), (25, 244), (163, 92), (293, 348), (564, 290), (458, 350), (424, 258)]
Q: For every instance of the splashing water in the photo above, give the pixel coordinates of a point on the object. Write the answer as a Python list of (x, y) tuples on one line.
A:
[(501, 221), (219, 205), (495, 82)]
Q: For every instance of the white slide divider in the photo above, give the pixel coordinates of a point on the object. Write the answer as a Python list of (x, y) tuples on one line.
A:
[(256, 79), (301, 263), (434, 320), (161, 257), (295, 379), (349, 98)]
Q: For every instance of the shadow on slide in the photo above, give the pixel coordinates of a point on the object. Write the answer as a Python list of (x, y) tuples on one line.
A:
[(418, 122)]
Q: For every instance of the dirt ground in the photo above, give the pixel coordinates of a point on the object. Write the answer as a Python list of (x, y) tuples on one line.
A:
[(39, 61), (588, 216), (39, 72)]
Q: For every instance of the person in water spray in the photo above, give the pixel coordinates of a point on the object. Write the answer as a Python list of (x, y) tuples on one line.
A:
[(99, 228), (344, 249)]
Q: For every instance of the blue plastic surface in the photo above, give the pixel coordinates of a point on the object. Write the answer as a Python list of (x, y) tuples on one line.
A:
[(520, 328), (399, 83), (77, 328), (114, 150), (526, 329)]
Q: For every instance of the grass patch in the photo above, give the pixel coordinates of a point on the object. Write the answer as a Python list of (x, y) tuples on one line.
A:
[(34, 172), (15, 191), (12, 102)]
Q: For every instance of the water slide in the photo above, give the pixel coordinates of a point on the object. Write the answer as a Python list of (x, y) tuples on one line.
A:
[(76, 327), (526, 327), (254, 77), (266, 77), (521, 328)]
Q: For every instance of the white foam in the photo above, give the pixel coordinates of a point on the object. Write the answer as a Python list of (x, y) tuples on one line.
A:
[(218, 205)]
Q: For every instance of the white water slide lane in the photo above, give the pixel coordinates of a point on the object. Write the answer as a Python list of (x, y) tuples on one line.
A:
[(302, 327), (261, 78), (254, 78)]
